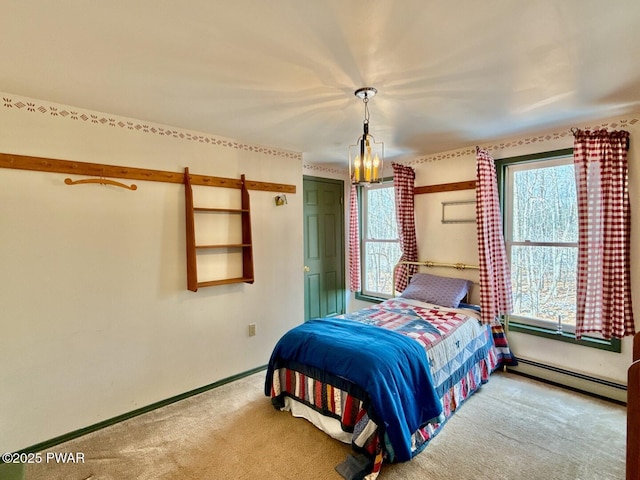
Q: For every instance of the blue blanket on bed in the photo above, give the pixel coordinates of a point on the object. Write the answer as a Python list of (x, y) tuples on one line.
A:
[(393, 369)]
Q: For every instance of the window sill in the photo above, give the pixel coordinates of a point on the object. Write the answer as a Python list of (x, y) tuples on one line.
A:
[(369, 298), (613, 345)]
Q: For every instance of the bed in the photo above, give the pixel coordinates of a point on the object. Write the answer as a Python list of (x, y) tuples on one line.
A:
[(385, 379)]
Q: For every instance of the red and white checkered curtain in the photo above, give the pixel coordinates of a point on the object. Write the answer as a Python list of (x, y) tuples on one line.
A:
[(403, 183), (495, 277), (354, 241), (604, 219)]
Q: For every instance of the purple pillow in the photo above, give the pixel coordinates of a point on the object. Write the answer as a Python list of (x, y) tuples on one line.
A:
[(444, 291)]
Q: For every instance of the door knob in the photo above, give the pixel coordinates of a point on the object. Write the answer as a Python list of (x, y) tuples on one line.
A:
[(307, 269)]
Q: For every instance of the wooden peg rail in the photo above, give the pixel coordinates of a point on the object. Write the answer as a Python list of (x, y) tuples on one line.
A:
[(446, 187), (42, 164)]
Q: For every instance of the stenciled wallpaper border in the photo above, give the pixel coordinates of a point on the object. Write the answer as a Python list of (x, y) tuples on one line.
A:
[(325, 169), (501, 145), (95, 118), (98, 119), (518, 142)]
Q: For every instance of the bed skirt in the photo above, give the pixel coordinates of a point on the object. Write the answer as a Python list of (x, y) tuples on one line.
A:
[(345, 410)]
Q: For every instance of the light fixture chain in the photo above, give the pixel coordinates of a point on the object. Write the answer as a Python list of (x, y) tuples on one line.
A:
[(366, 109)]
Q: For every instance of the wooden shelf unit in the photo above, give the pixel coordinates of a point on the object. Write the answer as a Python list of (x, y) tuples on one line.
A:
[(245, 246)]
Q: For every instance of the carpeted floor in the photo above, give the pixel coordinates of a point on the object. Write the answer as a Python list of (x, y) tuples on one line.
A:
[(514, 428)]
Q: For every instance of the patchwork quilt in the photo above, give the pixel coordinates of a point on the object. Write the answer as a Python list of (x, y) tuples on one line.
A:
[(461, 353)]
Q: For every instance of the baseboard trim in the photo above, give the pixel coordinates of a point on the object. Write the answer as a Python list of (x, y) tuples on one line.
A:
[(597, 387), (134, 413)]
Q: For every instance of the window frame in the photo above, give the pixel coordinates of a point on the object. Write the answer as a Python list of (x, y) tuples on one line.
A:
[(510, 170), (522, 324), (363, 206)]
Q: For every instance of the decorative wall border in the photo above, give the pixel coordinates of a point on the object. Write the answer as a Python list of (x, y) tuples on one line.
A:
[(325, 169), (94, 118), (518, 142), (98, 119), (470, 151)]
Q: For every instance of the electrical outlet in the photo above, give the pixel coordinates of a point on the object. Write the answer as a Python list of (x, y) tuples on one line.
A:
[(252, 329)]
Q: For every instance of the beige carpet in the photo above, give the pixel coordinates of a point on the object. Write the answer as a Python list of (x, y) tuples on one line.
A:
[(513, 428)]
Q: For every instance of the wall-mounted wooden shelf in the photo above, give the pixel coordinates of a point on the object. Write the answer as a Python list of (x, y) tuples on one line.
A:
[(225, 281), (221, 210), (245, 246), (52, 165), (225, 245)]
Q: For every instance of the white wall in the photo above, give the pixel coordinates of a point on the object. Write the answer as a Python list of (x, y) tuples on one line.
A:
[(457, 242), (95, 317), (453, 243)]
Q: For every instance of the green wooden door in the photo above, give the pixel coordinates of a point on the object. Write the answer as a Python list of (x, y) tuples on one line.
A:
[(324, 293)]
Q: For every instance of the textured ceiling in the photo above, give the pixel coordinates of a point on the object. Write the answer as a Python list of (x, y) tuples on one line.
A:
[(282, 73)]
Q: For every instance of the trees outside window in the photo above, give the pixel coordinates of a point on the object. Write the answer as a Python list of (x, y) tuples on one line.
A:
[(541, 238), (380, 242), (540, 212)]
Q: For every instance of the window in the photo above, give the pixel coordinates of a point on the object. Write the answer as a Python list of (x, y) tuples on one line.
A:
[(380, 243), (541, 239)]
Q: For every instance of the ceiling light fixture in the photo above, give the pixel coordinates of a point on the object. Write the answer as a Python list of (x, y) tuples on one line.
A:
[(366, 157)]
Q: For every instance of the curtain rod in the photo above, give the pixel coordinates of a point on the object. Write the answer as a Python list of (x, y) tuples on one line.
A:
[(575, 130), (429, 264)]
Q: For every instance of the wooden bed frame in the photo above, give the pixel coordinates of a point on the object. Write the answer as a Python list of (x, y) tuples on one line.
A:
[(633, 413)]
